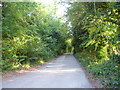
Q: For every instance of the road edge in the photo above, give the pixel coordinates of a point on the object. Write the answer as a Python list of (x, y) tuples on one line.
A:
[(91, 78)]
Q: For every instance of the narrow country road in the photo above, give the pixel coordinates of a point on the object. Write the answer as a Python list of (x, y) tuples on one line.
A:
[(64, 72)]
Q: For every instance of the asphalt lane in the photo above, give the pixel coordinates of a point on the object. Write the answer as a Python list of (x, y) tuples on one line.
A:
[(63, 72)]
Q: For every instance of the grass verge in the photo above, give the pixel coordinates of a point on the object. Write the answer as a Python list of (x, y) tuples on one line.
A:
[(106, 71)]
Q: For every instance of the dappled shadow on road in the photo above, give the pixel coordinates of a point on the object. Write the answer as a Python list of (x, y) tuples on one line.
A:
[(58, 73), (16, 73)]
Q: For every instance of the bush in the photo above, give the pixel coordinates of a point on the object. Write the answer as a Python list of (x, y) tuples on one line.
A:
[(107, 70), (30, 33)]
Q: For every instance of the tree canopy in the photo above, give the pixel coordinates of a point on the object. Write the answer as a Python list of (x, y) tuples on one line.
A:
[(95, 27), (31, 33)]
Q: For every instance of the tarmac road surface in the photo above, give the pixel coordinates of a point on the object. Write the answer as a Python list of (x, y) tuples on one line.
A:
[(63, 72)]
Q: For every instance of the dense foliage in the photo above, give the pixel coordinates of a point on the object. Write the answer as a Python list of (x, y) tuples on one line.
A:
[(95, 28), (31, 33)]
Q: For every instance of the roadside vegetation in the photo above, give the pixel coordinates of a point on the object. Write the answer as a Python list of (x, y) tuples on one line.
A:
[(95, 28), (31, 34)]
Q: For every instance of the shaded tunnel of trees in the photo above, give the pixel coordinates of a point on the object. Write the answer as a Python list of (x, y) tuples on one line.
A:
[(32, 34)]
